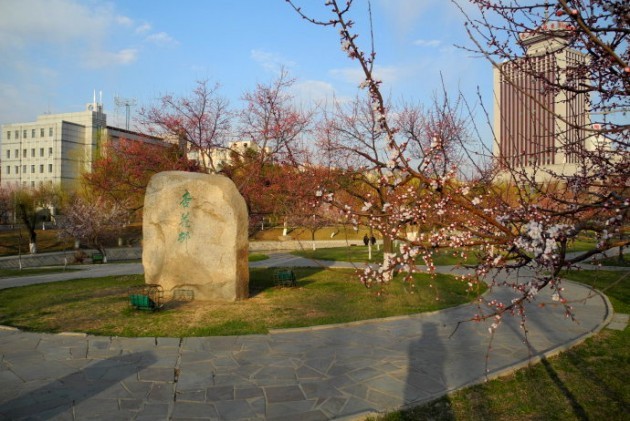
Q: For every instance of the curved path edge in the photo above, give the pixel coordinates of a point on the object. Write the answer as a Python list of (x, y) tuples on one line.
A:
[(333, 372)]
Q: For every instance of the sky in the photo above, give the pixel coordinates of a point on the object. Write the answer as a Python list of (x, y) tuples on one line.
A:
[(57, 53)]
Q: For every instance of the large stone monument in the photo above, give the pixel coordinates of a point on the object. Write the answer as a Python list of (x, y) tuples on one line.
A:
[(195, 236)]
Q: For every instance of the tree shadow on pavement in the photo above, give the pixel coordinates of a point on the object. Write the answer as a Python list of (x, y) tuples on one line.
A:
[(63, 394)]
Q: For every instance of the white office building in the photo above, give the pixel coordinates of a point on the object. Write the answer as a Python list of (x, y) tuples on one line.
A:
[(56, 148)]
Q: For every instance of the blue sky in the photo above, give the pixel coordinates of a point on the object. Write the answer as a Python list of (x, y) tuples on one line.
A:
[(55, 53)]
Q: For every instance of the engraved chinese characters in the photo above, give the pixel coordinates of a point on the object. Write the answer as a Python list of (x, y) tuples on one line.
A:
[(195, 236)]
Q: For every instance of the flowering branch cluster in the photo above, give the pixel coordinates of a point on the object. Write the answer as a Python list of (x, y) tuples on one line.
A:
[(403, 171), (93, 221)]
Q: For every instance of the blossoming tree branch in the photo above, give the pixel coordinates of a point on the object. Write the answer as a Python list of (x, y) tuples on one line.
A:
[(414, 179)]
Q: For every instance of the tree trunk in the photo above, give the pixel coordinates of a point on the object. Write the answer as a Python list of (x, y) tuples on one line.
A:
[(388, 245), (370, 243), (30, 226), (101, 249)]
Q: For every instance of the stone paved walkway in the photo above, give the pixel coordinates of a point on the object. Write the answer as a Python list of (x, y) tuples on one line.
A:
[(320, 373)]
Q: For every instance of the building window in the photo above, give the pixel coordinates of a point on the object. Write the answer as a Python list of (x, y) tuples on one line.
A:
[(17, 154), (8, 169), (32, 169), (50, 131), (17, 169), (41, 151), (17, 134), (8, 153), (33, 153), (33, 133), (41, 132), (8, 134), (24, 134), (49, 167), (23, 169), (24, 153), (50, 151), (41, 169)]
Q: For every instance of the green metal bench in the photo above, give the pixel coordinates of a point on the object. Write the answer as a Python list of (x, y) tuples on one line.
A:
[(142, 302), (97, 258), (284, 277), (150, 297)]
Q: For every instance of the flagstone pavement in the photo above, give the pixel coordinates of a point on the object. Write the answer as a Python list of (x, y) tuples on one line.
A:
[(320, 373)]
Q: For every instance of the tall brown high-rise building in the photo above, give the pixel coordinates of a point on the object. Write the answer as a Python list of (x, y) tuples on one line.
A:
[(537, 124)]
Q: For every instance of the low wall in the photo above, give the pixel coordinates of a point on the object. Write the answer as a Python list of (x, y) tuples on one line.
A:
[(299, 245), (61, 258), (135, 253)]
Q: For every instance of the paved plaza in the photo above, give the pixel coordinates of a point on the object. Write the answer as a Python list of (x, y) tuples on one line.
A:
[(320, 373)]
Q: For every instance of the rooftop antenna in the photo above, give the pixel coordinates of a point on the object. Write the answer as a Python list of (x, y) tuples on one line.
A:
[(546, 11), (127, 103)]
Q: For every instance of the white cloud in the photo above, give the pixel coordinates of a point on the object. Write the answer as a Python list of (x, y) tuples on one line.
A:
[(161, 39), (124, 21), (19, 102), (105, 58), (141, 29), (50, 21), (405, 13), (427, 42), (271, 62), (355, 75), (93, 32), (311, 92)]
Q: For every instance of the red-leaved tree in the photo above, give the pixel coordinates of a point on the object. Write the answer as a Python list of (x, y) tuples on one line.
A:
[(122, 171), (267, 172)]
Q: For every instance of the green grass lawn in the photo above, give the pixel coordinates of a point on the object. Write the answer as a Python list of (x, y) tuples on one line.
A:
[(581, 244), (615, 284), (10, 273), (360, 254), (589, 381), (614, 261), (12, 241), (100, 306), (337, 232)]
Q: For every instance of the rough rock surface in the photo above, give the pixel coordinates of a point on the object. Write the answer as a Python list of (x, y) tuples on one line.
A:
[(195, 236)]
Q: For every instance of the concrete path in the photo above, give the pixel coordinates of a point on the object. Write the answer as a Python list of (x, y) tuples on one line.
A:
[(320, 373)]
